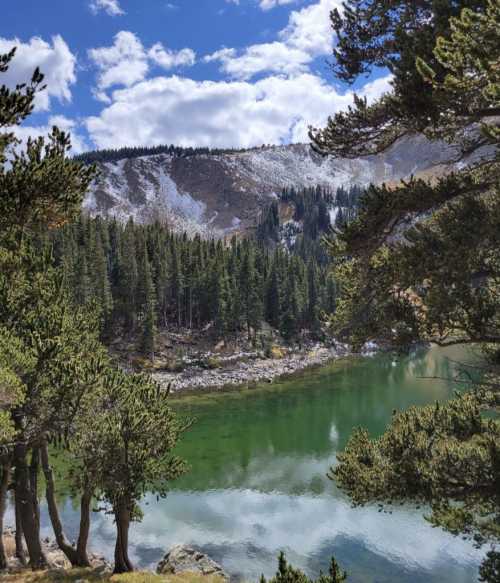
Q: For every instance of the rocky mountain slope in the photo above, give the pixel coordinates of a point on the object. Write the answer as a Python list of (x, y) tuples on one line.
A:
[(219, 194)]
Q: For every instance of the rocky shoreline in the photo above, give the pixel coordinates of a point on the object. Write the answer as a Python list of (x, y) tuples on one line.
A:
[(178, 560), (247, 369)]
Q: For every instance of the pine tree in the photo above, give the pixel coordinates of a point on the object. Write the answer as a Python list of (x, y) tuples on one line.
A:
[(288, 574), (148, 307), (290, 321), (272, 302), (437, 280), (129, 278), (312, 315), (251, 298), (126, 447)]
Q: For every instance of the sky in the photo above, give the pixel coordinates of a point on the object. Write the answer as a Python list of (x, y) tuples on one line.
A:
[(216, 73)]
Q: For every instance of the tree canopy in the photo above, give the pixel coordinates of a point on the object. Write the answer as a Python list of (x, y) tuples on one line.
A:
[(54, 372), (421, 262)]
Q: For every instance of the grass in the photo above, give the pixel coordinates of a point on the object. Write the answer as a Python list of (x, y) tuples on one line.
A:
[(92, 576)]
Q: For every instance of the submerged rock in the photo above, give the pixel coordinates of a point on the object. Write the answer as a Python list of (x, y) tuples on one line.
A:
[(182, 558)]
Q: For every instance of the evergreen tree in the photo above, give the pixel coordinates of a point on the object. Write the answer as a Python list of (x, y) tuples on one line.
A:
[(128, 278), (291, 313), (437, 280), (288, 574), (126, 446), (249, 285), (313, 307), (148, 307), (39, 186), (273, 295), (56, 378)]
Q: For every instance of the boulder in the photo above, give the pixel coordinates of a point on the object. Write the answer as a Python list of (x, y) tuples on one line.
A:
[(182, 558)]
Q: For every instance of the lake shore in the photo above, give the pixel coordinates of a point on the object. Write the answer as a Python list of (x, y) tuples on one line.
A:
[(247, 369)]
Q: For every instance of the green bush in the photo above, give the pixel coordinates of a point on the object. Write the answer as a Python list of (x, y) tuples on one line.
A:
[(288, 574)]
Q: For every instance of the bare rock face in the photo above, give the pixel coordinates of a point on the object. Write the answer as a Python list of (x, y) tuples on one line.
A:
[(182, 558)]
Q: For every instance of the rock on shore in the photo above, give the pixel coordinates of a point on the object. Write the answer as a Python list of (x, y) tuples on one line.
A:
[(56, 559), (181, 559), (236, 372)]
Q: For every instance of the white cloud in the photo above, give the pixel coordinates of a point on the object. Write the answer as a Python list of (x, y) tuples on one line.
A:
[(275, 56), (55, 60), (169, 59), (225, 113), (307, 36), (374, 89), (78, 142), (123, 63), (268, 4), (241, 111), (127, 62), (265, 4), (310, 29), (111, 7)]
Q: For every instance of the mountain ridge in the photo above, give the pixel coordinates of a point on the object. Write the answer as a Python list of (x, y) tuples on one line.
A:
[(222, 193)]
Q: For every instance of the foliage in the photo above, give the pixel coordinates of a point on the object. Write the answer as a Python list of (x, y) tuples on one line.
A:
[(113, 155), (56, 377), (421, 261), (446, 456), (424, 254), (128, 441), (123, 449), (288, 574), (391, 34), (144, 278)]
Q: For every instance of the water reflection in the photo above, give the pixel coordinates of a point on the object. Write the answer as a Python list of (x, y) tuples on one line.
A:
[(258, 481)]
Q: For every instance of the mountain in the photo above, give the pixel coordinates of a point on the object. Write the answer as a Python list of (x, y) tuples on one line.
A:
[(222, 193)]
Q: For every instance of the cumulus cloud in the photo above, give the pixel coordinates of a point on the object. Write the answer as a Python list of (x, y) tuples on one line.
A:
[(56, 61), (169, 59), (127, 61), (123, 63), (270, 95), (310, 29), (225, 113), (265, 57), (307, 36), (265, 4), (111, 7)]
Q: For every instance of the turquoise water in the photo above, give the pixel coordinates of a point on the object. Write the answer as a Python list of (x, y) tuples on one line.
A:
[(258, 481)]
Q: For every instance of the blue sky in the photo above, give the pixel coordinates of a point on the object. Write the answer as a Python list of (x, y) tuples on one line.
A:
[(213, 73)]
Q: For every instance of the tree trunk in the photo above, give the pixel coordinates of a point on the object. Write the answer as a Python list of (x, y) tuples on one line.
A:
[(20, 554), (34, 467), (4, 485), (28, 511), (83, 535), (122, 519), (74, 557)]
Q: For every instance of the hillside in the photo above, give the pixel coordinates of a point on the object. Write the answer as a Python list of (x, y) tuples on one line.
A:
[(222, 193)]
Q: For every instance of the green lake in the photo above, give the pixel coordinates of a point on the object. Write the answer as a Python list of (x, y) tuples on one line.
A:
[(258, 481)]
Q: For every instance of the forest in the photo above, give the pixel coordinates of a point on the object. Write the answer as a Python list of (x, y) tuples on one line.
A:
[(144, 277)]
